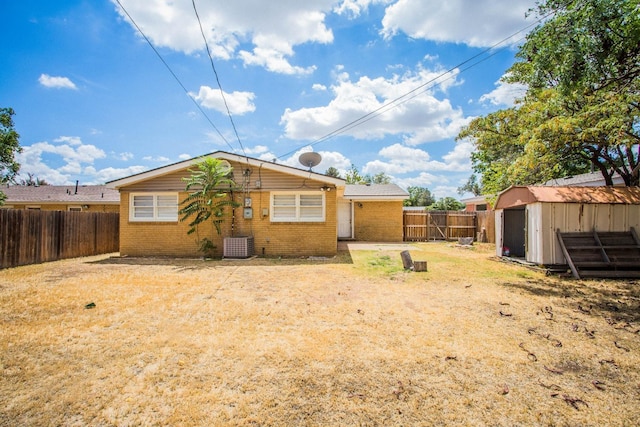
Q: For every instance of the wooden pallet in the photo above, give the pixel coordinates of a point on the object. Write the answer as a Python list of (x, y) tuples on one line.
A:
[(602, 254)]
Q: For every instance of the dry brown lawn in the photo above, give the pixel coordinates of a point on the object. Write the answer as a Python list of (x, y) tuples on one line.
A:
[(352, 340)]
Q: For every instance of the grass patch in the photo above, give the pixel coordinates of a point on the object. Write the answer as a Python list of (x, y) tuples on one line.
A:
[(349, 341)]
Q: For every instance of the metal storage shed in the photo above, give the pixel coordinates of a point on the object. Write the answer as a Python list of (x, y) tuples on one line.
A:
[(528, 218)]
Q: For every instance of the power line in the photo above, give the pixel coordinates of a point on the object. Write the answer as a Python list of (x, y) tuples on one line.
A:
[(224, 99), (417, 90), (173, 74)]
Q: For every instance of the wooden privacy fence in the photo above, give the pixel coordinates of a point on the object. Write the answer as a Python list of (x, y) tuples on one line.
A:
[(32, 237), (420, 226)]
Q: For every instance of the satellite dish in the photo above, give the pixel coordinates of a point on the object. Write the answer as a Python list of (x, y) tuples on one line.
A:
[(310, 159)]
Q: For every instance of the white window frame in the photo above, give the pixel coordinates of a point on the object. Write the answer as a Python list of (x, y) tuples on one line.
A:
[(155, 207), (296, 207)]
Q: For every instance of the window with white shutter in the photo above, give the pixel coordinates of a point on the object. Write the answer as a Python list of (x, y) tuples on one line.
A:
[(297, 207), (153, 207)]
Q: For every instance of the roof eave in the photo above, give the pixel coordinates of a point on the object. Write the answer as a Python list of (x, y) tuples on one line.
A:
[(164, 170), (376, 198)]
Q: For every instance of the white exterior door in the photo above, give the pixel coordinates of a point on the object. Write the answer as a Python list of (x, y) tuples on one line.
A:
[(345, 226)]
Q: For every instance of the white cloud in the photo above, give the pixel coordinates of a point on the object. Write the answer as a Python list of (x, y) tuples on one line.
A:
[(271, 29), (457, 21), (101, 176), (185, 156), (258, 149), (56, 82), (126, 156), (420, 118), (354, 8), (398, 159), (504, 93), (158, 159), (274, 61), (423, 179), (319, 87), (239, 102), (329, 159), (72, 159)]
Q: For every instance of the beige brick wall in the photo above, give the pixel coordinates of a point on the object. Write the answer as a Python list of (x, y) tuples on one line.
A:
[(378, 221), (270, 239)]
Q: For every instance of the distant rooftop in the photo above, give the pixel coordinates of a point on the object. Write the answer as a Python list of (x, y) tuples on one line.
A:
[(375, 191), (43, 194), (591, 179)]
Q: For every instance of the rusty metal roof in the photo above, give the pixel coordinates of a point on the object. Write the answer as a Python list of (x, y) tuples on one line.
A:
[(48, 194), (520, 196)]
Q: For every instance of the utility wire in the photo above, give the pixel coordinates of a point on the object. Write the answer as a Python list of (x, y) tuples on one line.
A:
[(414, 92), (174, 75), (405, 98), (224, 99)]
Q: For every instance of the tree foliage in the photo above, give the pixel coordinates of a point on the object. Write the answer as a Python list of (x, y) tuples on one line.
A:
[(419, 196), (353, 176), (471, 186), (9, 146), (582, 107), (331, 171), (379, 178), (209, 187), (446, 204), (33, 181)]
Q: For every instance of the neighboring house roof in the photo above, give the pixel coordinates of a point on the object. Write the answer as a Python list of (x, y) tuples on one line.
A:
[(475, 200), (591, 179), (60, 194), (374, 192), (250, 161), (520, 196)]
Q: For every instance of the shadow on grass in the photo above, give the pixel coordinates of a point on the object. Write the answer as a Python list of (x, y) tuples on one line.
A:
[(343, 257), (615, 299)]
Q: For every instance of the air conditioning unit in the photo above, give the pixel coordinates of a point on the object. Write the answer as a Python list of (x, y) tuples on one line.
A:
[(238, 247)]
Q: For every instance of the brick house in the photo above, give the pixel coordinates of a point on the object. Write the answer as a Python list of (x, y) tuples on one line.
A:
[(376, 213), (84, 198), (284, 211)]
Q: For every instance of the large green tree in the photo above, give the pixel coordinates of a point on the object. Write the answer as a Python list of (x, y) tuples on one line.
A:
[(582, 107), (9, 146)]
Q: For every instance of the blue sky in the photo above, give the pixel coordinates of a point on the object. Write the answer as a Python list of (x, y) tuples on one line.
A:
[(94, 102)]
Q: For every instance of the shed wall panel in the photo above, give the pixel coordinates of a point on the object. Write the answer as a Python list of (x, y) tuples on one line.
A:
[(575, 217), (498, 231), (535, 227)]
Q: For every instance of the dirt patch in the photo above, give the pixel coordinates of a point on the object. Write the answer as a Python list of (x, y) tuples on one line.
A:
[(353, 340)]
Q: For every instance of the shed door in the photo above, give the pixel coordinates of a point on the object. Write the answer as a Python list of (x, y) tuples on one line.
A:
[(513, 226), (344, 219)]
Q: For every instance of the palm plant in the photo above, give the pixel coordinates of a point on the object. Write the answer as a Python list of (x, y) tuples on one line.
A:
[(209, 188)]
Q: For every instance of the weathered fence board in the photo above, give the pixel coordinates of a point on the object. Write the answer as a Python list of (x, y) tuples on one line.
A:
[(32, 237), (445, 225)]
